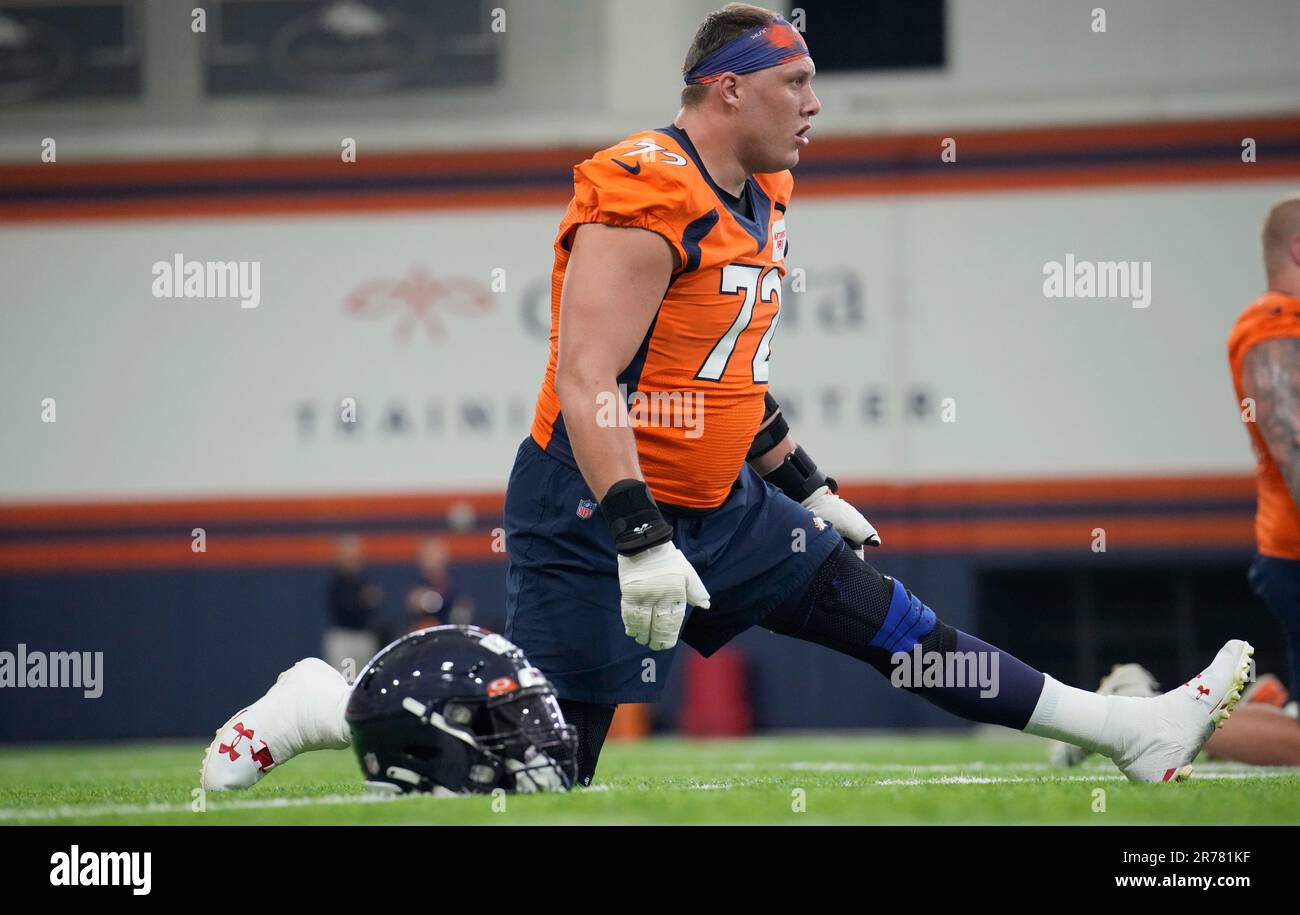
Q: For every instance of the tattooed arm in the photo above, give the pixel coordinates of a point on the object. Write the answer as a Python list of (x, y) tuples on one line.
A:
[(1271, 375)]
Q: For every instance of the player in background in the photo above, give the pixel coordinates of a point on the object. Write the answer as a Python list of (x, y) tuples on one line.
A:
[(666, 293), (1264, 356)]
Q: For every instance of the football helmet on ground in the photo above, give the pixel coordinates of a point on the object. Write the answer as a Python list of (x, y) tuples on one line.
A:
[(456, 709)]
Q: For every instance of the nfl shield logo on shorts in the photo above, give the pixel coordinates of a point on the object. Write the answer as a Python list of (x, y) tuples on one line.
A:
[(585, 508)]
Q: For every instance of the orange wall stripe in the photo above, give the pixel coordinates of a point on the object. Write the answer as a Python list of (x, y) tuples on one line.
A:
[(325, 165), (222, 552), (278, 509), (1124, 534), (435, 506), (1064, 491), (556, 162), (1026, 179), (1060, 138), (1264, 129)]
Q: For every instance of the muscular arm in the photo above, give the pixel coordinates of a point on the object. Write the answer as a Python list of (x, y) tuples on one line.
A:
[(613, 285), (1271, 375)]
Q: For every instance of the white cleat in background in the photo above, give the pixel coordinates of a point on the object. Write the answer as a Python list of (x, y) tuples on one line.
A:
[(1167, 732), (1123, 680), (303, 710)]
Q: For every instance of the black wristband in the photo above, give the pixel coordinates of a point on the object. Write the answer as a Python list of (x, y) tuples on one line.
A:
[(797, 476), (633, 517), (773, 434)]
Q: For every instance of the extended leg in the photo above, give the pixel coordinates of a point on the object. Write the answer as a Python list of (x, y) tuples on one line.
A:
[(852, 608)]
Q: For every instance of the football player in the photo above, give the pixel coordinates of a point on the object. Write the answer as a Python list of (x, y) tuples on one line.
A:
[(666, 289), (1264, 357)]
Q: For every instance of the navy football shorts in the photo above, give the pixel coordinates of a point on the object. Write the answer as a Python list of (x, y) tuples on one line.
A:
[(756, 550)]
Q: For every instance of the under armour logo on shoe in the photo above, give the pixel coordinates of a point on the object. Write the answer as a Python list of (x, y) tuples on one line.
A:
[(1201, 688), (240, 733)]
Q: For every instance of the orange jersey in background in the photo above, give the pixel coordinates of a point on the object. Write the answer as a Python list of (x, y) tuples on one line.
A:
[(1277, 518), (706, 352)]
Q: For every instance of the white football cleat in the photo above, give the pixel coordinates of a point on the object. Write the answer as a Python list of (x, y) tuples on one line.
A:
[(1123, 680), (302, 711), (1168, 731)]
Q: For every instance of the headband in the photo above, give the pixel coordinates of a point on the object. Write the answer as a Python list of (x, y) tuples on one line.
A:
[(769, 45)]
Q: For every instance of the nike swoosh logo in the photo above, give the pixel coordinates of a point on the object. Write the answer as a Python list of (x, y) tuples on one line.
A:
[(630, 169)]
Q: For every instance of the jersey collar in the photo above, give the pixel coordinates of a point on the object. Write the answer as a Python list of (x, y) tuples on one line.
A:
[(760, 205)]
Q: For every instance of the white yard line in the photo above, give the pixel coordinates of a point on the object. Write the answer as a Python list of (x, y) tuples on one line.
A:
[(1204, 771), (904, 767), (1197, 776), (11, 769), (108, 810)]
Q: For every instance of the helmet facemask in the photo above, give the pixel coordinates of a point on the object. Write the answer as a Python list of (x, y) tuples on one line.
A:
[(529, 735), (517, 741)]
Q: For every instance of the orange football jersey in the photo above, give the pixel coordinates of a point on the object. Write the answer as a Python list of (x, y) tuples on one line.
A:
[(695, 386), (1277, 517)]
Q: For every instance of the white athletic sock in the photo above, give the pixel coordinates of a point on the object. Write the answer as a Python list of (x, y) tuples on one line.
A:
[(324, 727), (1100, 724), (305, 710), (331, 727)]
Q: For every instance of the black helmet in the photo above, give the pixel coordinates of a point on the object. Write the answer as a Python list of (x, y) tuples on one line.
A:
[(458, 708)]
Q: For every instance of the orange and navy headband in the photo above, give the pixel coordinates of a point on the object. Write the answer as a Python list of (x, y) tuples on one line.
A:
[(769, 45)]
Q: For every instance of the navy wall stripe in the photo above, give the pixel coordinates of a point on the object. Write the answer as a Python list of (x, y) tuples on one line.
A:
[(506, 180)]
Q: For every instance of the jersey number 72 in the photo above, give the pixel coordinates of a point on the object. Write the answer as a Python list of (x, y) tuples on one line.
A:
[(755, 284)]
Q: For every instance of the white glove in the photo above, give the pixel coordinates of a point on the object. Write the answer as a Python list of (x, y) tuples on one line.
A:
[(846, 519), (657, 584)]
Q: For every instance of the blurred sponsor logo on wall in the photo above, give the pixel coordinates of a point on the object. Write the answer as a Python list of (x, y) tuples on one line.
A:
[(68, 51), (348, 47), (418, 301)]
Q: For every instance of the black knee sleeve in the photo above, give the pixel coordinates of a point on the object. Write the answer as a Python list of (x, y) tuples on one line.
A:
[(591, 720), (847, 606)]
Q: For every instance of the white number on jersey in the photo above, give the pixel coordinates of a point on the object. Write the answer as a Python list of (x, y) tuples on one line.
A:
[(756, 285)]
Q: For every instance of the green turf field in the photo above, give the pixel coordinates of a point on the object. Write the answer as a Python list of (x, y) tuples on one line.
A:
[(859, 778)]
